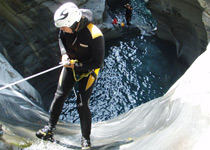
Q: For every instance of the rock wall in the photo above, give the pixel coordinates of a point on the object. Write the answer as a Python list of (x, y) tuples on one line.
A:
[(29, 38), (184, 22), (206, 15)]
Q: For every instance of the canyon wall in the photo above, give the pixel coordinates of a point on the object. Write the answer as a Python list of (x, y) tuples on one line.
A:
[(185, 23)]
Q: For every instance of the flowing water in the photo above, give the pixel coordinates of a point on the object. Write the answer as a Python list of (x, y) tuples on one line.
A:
[(137, 69)]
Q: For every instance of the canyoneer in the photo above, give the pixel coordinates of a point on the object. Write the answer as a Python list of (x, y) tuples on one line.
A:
[(82, 48), (128, 13)]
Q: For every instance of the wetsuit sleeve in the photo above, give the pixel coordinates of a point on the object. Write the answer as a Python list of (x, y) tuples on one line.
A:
[(97, 52), (61, 46)]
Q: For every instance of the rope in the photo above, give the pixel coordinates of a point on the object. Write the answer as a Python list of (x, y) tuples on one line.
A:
[(48, 70), (30, 77)]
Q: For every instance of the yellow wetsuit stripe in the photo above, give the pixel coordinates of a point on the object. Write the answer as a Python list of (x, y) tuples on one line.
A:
[(94, 30), (91, 79)]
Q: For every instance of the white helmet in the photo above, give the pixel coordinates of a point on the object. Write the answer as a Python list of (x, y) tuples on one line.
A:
[(66, 15)]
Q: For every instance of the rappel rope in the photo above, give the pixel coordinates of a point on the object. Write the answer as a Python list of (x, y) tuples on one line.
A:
[(61, 64), (30, 77)]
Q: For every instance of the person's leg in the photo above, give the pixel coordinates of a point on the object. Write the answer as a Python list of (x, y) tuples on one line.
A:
[(65, 84), (128, 19), (85, 90)]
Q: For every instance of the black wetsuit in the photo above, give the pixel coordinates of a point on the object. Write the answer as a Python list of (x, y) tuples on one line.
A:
[(86, 46)]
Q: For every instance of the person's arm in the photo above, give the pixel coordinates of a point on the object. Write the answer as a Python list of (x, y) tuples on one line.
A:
[(61, 46), (64, 56)]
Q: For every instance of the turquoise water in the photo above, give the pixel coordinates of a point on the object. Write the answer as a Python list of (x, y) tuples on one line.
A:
[(137, 69)]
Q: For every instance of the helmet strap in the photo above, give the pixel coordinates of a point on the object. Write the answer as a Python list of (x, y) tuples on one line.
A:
[(83, 23), (75, 26)]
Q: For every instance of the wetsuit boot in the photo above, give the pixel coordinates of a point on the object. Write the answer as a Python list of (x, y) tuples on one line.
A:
[(46, 133), (85, 143)]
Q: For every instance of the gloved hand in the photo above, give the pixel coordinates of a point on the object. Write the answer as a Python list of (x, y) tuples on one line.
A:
[(66, 61)]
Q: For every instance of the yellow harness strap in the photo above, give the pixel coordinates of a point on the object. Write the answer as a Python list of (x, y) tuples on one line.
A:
[(91, 77)]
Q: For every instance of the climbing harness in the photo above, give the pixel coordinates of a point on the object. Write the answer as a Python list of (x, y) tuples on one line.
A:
[(74, 73), (81, 76)]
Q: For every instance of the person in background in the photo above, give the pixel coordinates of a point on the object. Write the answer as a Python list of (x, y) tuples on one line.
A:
[(128, 13), (82, 48)]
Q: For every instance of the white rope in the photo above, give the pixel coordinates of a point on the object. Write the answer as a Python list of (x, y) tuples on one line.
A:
[(35, 75)]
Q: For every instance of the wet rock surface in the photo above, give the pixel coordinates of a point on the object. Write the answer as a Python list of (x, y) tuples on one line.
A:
[(29, 42), (181, 22)]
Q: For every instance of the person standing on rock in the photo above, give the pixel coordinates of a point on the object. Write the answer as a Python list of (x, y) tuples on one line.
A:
[(82, 48), (128, 13)]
